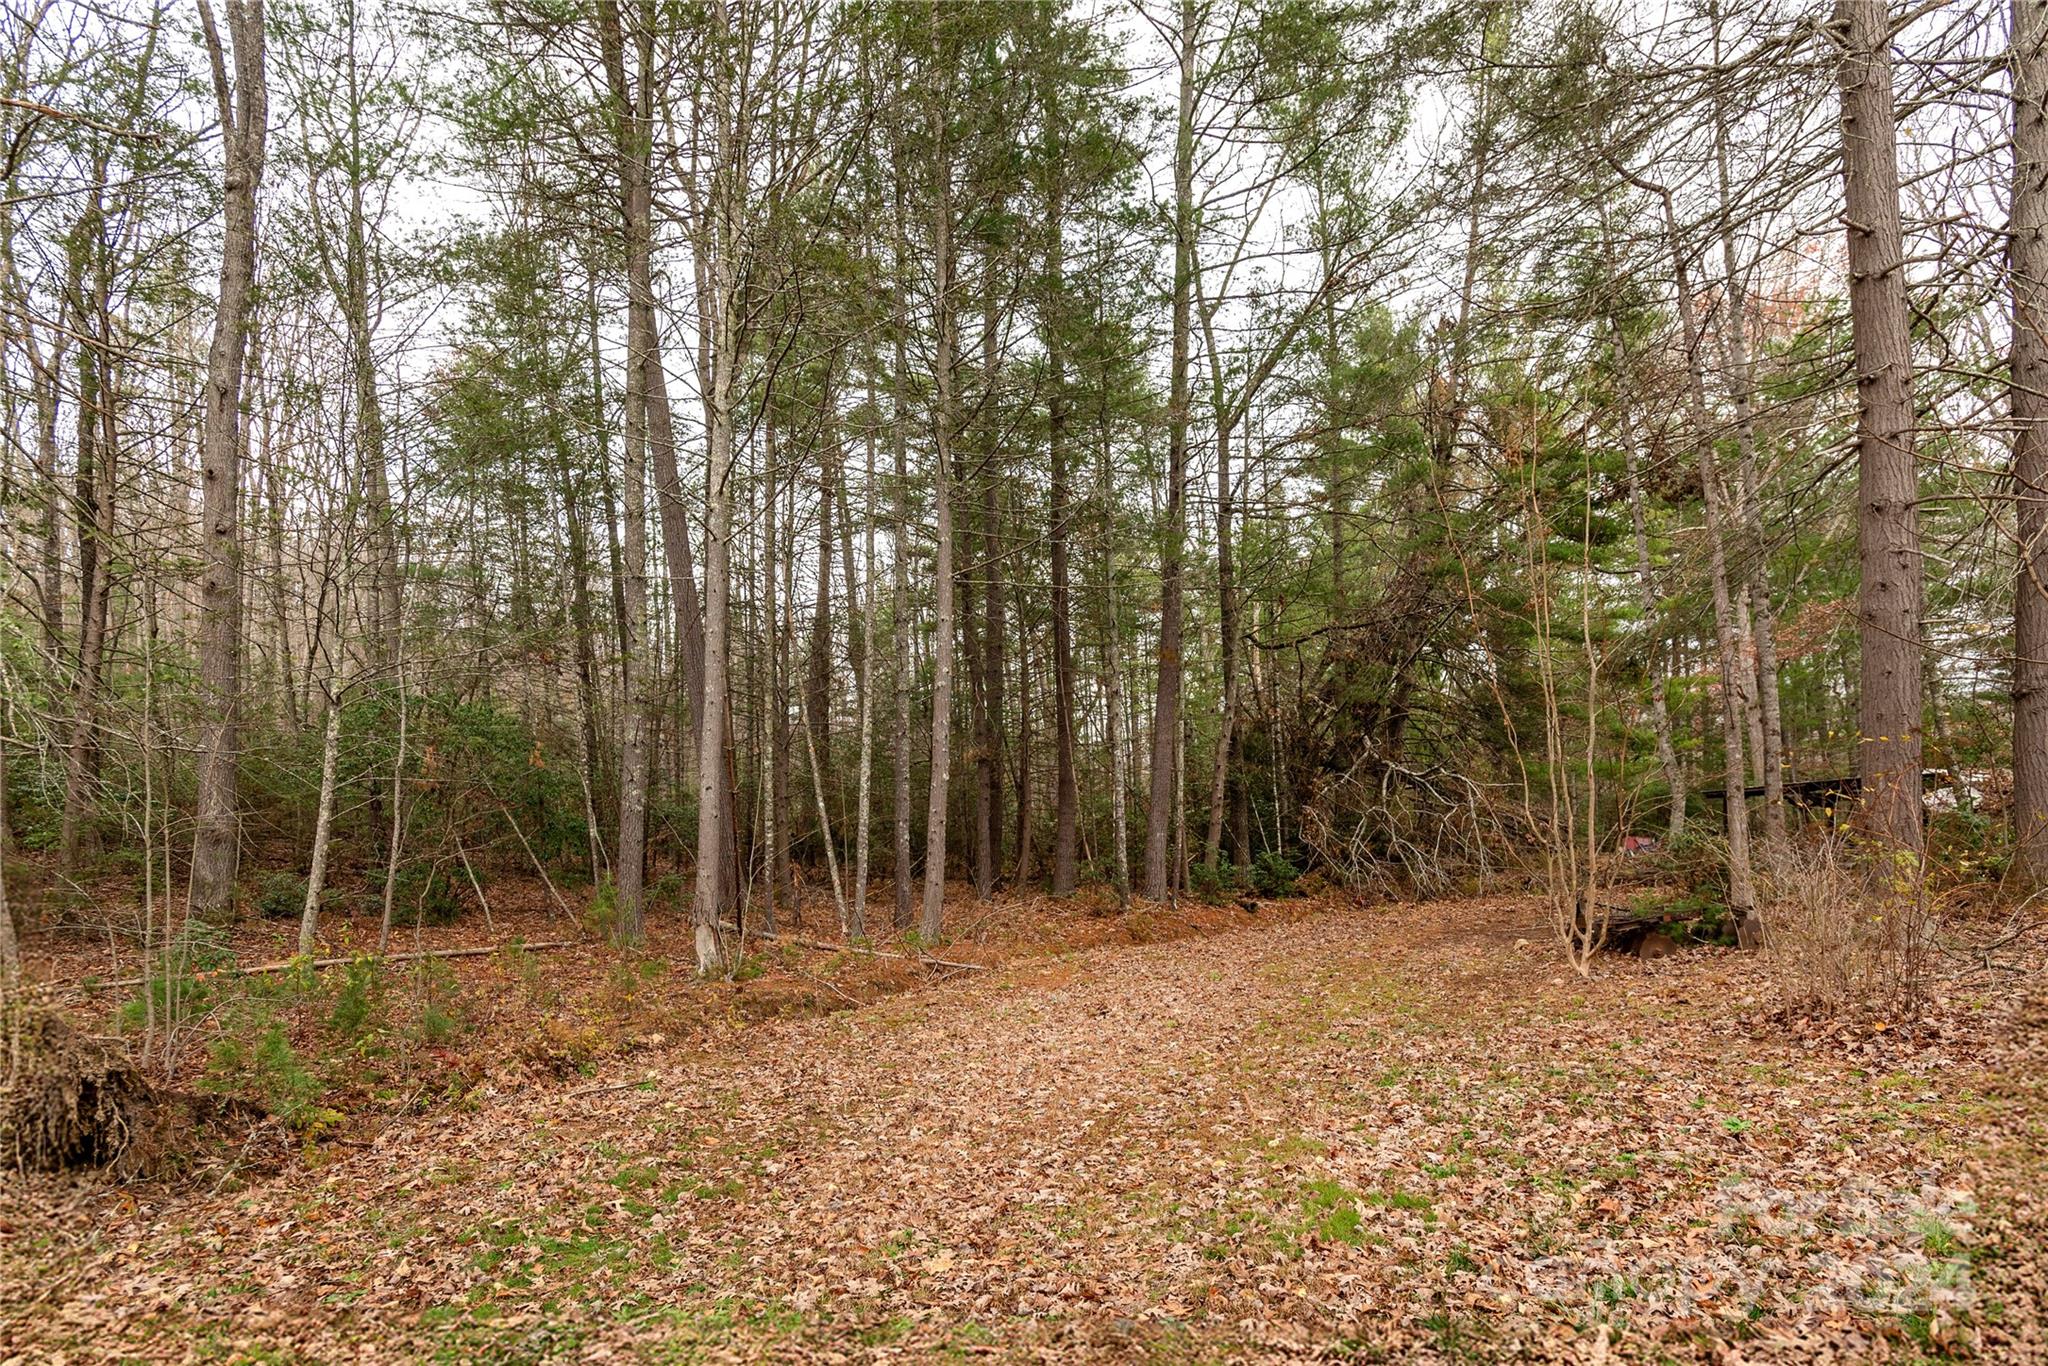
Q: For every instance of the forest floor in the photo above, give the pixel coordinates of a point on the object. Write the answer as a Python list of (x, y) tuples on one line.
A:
[(1396, 1132)]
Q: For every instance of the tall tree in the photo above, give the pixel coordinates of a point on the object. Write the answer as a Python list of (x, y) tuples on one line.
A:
[(2027, 264), (1056, 323), (945, 346), (637, 689), (899, 553), (243, 105), (1888, 525), (1166, 705)]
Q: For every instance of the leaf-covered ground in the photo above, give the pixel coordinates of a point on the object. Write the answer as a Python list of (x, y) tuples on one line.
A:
[(1398, 1133)]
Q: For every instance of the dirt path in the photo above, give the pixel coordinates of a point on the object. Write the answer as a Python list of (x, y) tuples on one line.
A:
[(1393, 1133)]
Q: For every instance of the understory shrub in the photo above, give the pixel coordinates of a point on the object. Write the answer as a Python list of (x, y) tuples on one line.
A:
[(182, 983), (306, 1044), (1274, 874), (1846, 928), (280, 896), (1969, 846), (440, 1018), (358, 999), (425, 896), (265, 1064), (1385, 830), (1215, 885), (602, 916)]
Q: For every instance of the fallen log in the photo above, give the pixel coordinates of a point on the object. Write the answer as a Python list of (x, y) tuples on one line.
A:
[(288, 964), (1627, 928)]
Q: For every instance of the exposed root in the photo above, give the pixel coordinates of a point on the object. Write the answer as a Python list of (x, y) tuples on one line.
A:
[(70, 1102)]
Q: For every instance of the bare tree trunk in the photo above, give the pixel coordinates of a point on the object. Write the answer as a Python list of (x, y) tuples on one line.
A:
[(386, 571), (385, 620), (273, 525), (1768, 731), (945, 319), (1889, 601), (1646, 599), (720, 242), (857, 920), (856, 623), (1026, 853), (2029, 272), (785, 665), (637, 697), (774, 808), (583, 628), (244, 114), (1728, 623), (1113, 693), (989, 745), (51, 587), (899, 555), (636, 665), (825, 833), (1226, 596), (1177, 880), (350, 288), (1067, 801), (713, 808), (1053, 320), (980, 733), (675, 522), (633, 134), (1166, 708), (10, 949), (94, 514), (608, 497), (395, 840), (1752, 709), (323, 823), (818, 658), (40, 544), (984, 653), (1728, 628)]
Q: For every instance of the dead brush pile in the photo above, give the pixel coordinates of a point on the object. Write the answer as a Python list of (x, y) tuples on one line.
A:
[(69, 1101), (1846, 930)]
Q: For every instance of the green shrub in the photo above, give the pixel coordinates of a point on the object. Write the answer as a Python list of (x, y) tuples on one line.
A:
[(178, 997), (1274, 875), (440, 1015), (425, 896), (357, 1000), (603, 916), (272, 1069), (487, 762), (1701, 916), (1969, 846), (182, 983), (438, 1024), (280, 896), (523, 966), (1216, 885)]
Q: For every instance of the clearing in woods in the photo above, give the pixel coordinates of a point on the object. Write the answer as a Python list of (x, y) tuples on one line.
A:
[(1392, 1133)]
